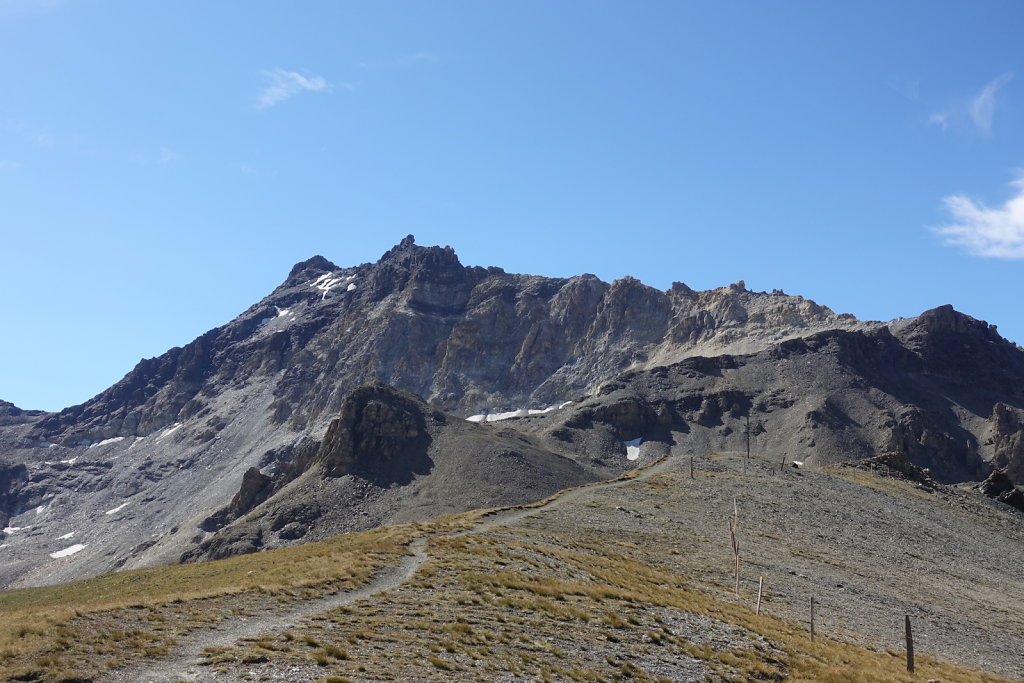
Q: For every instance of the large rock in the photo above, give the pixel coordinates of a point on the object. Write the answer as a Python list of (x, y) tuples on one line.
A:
[(1000, 486)]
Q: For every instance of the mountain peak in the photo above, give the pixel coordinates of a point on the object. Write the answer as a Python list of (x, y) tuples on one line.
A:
[(408, 254), (311, 267)]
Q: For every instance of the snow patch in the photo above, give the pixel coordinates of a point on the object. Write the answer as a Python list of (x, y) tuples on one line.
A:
[(4, 545), (170, 430), (70, 550), (46, 444), (41, 509), (798, 463), (111, 440), (117, 509), (12, 529), (326, 282), (69, 461), (521, 412), (350, 287), (320, 279), (282, 311), (66, 536), (633, 448)]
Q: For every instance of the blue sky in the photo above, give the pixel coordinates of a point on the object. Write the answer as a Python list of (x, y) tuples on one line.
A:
[(162, 165)]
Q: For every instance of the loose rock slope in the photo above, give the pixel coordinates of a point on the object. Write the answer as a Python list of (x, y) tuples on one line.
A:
[(233, 443)]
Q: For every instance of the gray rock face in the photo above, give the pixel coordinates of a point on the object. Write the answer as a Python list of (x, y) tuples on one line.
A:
[(193, 445), (391, 457), (465, 338)]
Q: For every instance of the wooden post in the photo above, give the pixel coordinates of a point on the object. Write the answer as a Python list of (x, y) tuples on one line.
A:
[(748, 436), (760, 585), (691, 467), (910, 643), (748, 445), (733, 523), (812, 618), (782, 465)]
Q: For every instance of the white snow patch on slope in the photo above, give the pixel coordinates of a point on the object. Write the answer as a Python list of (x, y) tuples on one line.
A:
[(12, 529), (350, 287), (66, 536), (41, 509), (521, 412), (170, 430), (633, 448), (69, 461), (70, 550), (326, 282), (117, 509), (107, 441)]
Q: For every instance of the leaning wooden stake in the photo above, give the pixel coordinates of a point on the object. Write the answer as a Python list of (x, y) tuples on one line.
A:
[(748, 437), (760, 585), (812, 618), (733, 523), (910, 644), (691, 467)]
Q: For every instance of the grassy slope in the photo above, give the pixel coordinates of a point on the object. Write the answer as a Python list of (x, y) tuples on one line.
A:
[(568, 594)]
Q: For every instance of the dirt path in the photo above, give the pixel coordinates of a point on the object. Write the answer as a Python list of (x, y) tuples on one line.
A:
[(183, 663)]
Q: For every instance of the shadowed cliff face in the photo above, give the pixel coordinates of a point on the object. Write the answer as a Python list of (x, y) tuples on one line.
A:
[(837, 396), (388, 456), (467, 338)]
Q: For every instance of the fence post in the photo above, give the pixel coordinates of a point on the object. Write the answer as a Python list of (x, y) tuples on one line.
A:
[(733, 523), (910, 643), (812, 618)]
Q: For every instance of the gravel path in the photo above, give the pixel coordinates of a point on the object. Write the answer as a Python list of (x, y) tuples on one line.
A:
[(183, 664)]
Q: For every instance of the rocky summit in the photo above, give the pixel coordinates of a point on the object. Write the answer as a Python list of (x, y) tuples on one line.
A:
[(353, 397)]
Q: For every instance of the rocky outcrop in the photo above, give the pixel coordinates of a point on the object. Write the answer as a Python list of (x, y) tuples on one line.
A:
[(1001, 487), (381, 433), (1006, 438), (964, 351), (12, 479), (389, 456), (895, 464)]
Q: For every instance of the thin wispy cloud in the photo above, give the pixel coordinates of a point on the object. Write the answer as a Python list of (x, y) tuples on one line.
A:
[(987, 232), (940, 119), (283, 85), (983, 106), (9, 165)]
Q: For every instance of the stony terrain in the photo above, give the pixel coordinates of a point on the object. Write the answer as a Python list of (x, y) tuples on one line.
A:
[(632, 579), (264, 432)]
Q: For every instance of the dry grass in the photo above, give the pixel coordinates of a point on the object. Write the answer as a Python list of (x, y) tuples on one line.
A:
[(90, 625), (529, 600), (489, 604)]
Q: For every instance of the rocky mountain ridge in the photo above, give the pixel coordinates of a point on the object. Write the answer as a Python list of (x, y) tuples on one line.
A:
[(213, 445)]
